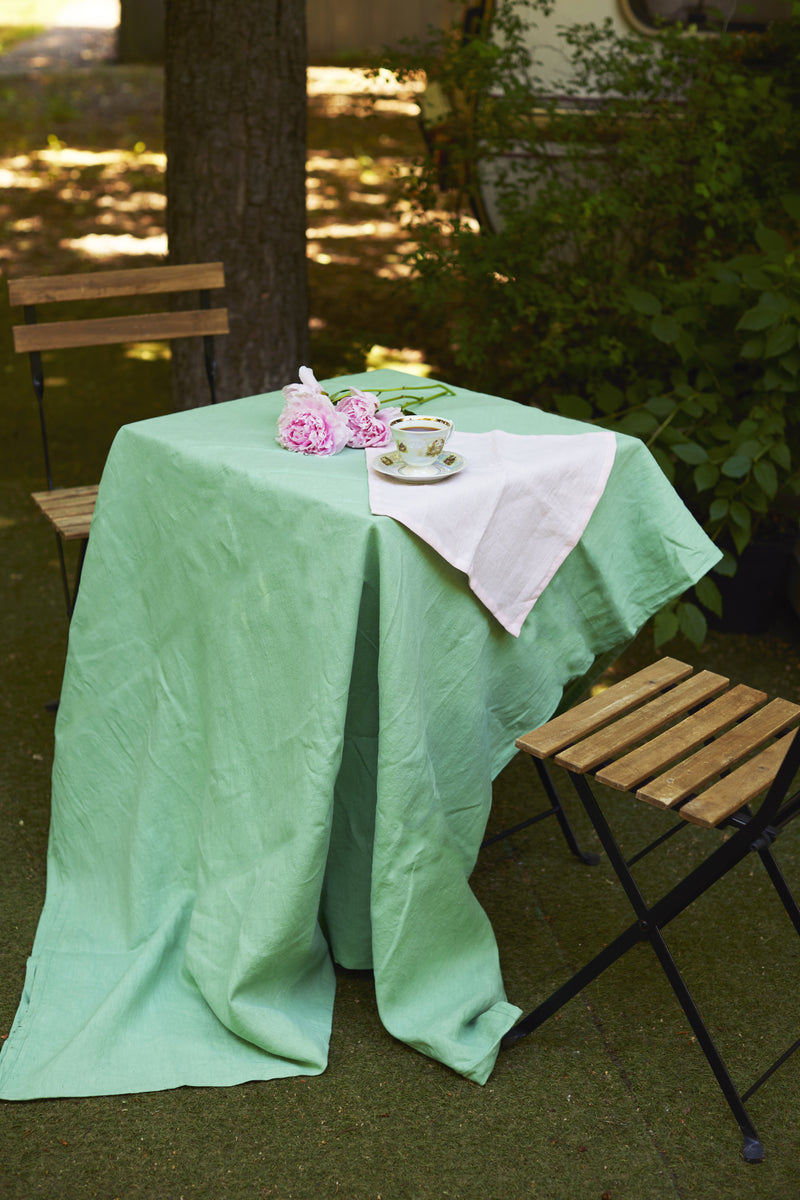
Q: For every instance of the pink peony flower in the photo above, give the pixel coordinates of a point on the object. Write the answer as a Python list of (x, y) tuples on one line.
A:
[(309, 423), (307, 389), (367, 424)]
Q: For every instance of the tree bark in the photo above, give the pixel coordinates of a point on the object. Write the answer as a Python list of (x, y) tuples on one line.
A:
[(235, 136), (140, 38)]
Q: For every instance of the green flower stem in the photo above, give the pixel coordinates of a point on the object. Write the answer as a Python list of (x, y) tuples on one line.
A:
[(657, 432), (439, 390)]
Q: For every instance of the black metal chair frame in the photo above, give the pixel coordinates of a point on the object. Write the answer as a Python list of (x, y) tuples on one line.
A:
[(753, 832), (30, 313)]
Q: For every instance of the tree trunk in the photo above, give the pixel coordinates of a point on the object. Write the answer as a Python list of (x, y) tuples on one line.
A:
[(235, 135), (140, 38)]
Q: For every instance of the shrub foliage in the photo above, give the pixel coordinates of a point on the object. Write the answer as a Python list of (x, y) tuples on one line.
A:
[(640, 266)]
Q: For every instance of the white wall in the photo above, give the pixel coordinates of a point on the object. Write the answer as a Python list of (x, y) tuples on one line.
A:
[(337, 26)]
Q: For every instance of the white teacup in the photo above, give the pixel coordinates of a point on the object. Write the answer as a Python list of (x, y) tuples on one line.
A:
[(420, 439)]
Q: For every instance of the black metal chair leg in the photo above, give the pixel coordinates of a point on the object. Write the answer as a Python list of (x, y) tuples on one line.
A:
[(64, 576), (558, 809), (781, 886), (752, 1149), (695, 747), (646, 926), (79, 572)]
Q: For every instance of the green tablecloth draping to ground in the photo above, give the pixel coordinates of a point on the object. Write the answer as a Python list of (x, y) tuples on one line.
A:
[(279, 725)]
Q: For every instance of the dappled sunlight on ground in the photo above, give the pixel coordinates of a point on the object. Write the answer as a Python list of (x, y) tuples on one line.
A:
[(404, 359), (95, 200), (344, 90), (83, 183), (350, 195), (62, 156), (99, 246), (341, 186)]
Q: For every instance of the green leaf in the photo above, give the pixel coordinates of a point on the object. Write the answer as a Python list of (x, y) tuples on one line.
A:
[(792, 205), (723, 273), (708, 594), (757, 500), (743, 262), (665, 328), (691, 452), (756, 278), (684, 346), (693, 624), (771, 243), (664, 461), (660, 406), (736, 466), (575, 407), (781, 340), (740, 515), (759, 317), (692, 407), (725, 294), (609, 398), (637, 424), (740, 538), (753, 348), (776, 300), (643, 302), (719, 508), (665, 626), (751, 447), (766, 476), (705, 476), (781, 455), (726, 565)]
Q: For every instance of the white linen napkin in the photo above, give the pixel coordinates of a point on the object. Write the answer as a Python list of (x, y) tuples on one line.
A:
[(511, 517)]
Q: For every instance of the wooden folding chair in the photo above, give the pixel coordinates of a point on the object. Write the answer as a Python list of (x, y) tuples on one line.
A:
[(70, 510), (692, 745)]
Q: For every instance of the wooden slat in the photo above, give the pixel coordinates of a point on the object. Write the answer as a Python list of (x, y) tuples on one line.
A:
[(678, 741), (106, 331), (727, 795), (69, 510), (612, 740), (140, 281), (614, 702), (721, 755)]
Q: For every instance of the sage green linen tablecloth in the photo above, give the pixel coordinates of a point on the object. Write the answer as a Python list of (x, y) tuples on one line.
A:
[(279, 724)]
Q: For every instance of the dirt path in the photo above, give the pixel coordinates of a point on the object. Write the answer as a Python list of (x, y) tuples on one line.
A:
[(84, 33)]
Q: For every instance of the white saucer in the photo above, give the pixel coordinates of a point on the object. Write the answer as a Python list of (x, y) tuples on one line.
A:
[(392, 464)]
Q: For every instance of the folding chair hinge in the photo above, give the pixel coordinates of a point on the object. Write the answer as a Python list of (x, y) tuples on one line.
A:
[(765, 838)]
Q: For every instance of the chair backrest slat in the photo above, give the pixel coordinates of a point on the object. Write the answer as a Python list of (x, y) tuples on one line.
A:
[(139, 284), (139, 281), (107, 331)]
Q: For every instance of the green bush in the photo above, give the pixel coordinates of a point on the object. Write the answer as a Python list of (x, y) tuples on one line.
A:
[(622, 274), (726, 428)]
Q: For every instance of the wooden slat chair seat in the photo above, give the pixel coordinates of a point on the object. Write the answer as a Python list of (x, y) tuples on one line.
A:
[(694, 746), (69, 510)]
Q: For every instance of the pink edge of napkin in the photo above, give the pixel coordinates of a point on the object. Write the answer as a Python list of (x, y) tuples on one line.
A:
[(511, 517)]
